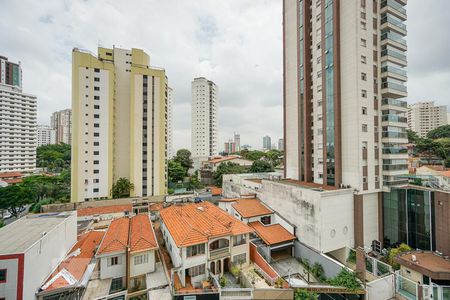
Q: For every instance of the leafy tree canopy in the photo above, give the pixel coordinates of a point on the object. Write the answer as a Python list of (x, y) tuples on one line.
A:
[(302, 294), (252, 155), (412, 136), (122, 188), (53, 157), (260, 166), (183, 156), (226, 168), (396, 251), (440, 132), (346, 279), (176, 171)]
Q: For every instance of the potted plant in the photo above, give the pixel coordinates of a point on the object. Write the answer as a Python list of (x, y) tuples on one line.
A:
[(222, 281)]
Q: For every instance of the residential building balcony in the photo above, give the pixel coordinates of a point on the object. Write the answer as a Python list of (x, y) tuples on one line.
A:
[(393, 90), (394, 104), (219, 253), (391, 38), (393, 72), (393, 120), (394, 7), (389, 21)]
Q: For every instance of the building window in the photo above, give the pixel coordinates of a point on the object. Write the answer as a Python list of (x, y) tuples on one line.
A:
[(364, 110), (364, 76), (96, 88), (96, 97), (114, 261), (140, 259), (364, 93), (96, 79), (239, 240), (363, 59), (96, 171), (265, 220), (240, 259), (363, 43), (97, 70), (364, 179), (116, 285), (195, 250), (363, 15), (363, 25), (3, 273), (364, 127), (95, 190), (196, 271)]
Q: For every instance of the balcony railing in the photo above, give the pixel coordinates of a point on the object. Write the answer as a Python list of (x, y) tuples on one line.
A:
[(397, 135), (394, 102), (393, 118), (394, 70), (392, 20), (219, 253), (395, 86), (394, 4), (393, 37)]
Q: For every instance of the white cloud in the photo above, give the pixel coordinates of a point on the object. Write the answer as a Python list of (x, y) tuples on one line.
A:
[(236, 43)]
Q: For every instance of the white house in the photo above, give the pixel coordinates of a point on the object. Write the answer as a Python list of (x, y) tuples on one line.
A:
[(129, 241), (201, 238), (30, 250)]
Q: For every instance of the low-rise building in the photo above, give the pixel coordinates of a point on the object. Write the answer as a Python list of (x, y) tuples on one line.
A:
[(71, 276), (127, 254), (10, 178), (208, 167), (273, 234), (202, 239), (30, 250)]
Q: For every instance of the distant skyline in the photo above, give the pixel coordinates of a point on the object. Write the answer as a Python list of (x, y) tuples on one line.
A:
[(235, 43)]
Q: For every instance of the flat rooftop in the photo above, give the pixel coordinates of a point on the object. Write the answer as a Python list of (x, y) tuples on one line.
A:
[(309, 185), (20, 235), (427, 263)]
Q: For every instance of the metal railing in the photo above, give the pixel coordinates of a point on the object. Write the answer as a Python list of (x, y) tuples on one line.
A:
[(406, 287), (218, 253)]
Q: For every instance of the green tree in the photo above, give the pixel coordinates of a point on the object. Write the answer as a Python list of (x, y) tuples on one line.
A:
[(183, 156), (252, 155), (122, 188), (53, 157), (194, 182), (430, 149), (260, 166), (440, 132), (274, 157), (396, 251), (302, 294), (346, 279), (176, 171), (226, 168), (14, 197), (412, 136)]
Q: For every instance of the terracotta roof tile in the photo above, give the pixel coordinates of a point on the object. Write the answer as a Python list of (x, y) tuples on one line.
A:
[(102, 210), (196, 223), (116, 238), (10, 174), (73, 267), (272, 234), (142, 234), (249, 208), (216, 191), (216, 160), (446, 173)]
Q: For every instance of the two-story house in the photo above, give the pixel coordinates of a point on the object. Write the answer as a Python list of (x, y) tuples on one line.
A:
[(274, 235), (202, 239), (127, 254)]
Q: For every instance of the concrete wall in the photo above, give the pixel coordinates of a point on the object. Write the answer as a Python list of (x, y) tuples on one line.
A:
[(113, 271), (330, 267), (381, 289), (8, 290), (44, 256), (143, 268)]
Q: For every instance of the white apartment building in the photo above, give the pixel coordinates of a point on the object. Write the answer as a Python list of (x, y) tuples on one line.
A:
[(45, 135), (119, 108), (204, 134), (17, 130), (425, 116), (61, 122), (30, 250), (170, 150), (201, 237)]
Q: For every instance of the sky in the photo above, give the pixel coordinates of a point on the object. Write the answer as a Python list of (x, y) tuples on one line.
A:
[(235, 43)]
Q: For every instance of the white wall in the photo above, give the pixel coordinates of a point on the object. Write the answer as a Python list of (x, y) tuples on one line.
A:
[(143, 268), (113, 271), (8, 290), (370, 214), (44, 256), (175, 254)]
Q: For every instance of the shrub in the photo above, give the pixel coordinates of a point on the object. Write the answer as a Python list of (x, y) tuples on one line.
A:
[(223, 281)]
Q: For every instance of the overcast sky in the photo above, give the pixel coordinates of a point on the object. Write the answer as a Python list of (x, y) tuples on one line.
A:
[(235, 43)]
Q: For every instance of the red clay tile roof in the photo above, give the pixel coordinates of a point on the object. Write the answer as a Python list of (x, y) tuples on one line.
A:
[(102, 210), (116, 238), (142, 235), (196, 223), (10, 174), (446, 173), (249, 208), (272, 234), (215, 191), (220, 159), (75, 264), (228, 200), (156, 206), (12, 181)]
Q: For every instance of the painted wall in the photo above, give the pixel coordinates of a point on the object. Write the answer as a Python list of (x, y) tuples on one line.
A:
[(143, 268), (8, 290), (115, 271)]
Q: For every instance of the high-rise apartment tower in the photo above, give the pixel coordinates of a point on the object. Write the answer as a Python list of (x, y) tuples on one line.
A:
[(344, 81), (119, 106), (204, 133), (425, 116), (61, 122)]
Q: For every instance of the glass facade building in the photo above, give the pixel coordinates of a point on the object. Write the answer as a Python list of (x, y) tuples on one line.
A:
[(409, 217)]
